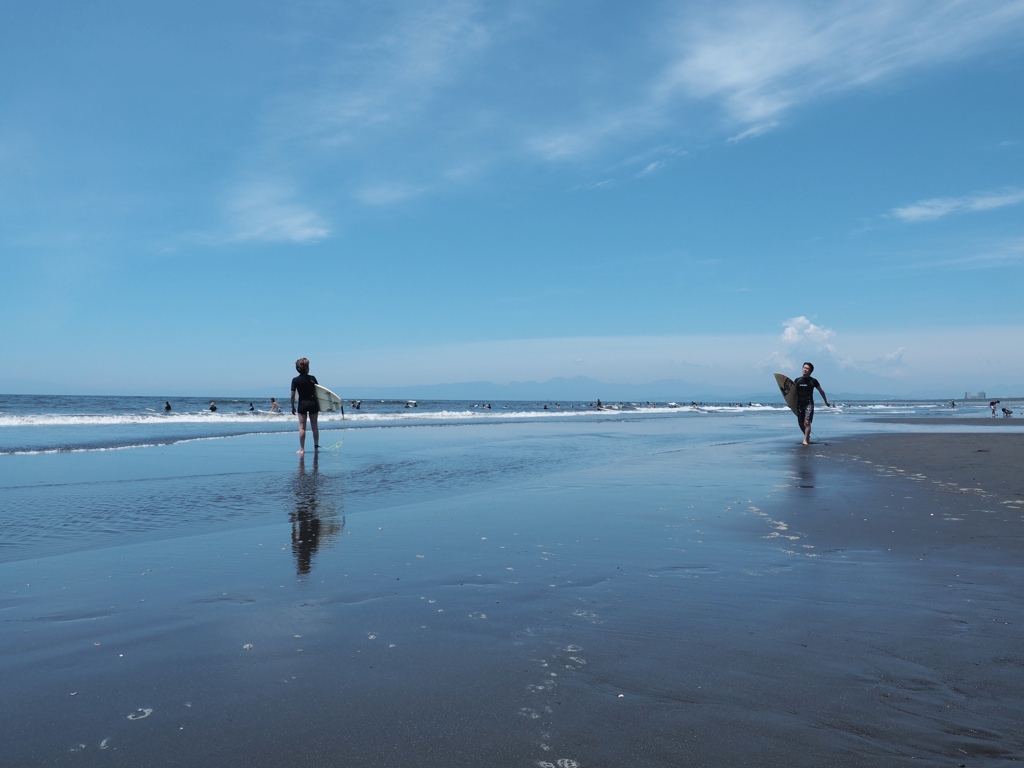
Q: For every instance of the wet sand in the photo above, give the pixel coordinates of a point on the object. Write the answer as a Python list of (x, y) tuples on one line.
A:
[(856, 603), (992, 463), (981, 422)]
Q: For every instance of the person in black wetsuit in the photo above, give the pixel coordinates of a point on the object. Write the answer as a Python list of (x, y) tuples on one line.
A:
[(805, 387), (304, 389)]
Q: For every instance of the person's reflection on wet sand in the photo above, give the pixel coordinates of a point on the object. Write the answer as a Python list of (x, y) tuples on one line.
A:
[(307, 527), (803, 470)]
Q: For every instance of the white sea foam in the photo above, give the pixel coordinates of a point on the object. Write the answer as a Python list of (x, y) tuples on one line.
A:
[(52, 424), (85, 420)]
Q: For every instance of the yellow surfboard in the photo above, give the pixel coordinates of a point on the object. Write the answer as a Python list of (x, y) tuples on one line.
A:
[(788, 389)]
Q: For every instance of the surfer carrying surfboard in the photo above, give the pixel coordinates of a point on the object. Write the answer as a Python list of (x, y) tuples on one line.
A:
[(304, 386), (805, 387)]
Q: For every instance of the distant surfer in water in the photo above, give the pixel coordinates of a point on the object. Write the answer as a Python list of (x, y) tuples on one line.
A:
[(304, 387), (805, 387), (274, 406), (213, 407), (167, 407)]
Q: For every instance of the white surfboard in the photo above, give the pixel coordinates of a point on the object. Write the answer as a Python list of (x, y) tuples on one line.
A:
[(327, 400)]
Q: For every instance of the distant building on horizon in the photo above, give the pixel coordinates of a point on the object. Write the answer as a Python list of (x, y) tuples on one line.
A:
[(978, 396)]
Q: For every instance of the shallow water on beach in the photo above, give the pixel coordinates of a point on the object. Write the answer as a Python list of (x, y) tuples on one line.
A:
[(582, 592), (80, 500), (70, 499), (407, 566)]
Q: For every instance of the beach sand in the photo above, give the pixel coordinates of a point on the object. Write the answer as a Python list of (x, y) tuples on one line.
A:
[(855, 603), (988, 462)]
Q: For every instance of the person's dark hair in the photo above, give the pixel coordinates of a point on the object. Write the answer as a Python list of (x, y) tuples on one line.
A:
[(302, 365), (809, 365)]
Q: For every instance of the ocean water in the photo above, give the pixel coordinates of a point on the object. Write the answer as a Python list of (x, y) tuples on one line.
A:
[(80, 473), (47, 423)]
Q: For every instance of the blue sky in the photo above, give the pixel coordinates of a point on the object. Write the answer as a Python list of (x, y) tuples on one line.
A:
[(192, 195)]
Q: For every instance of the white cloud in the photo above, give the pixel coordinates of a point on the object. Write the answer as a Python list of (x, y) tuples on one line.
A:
[(753, 132), (800, 339), (895, 357), (429, 84), (989, 256), (267, 212), (602, 184), (940, 207), (926, 210), (639, 166), (372, 98), (758, 60), (799, 330), (651, 168), (391, 73), (415, 80), (592, 133), (561, 146)]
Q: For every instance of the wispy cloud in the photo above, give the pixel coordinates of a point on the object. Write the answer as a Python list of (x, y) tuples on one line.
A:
[(563, 145), (268, 212), (392, 73), (640, 166), (989, 256), (388, 193), (651, 168), (428, 86), (754, 62), (753, 132), (759, 60), (602, 184), (369, 106), (940, 207), (891, 365), (586, 136)]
